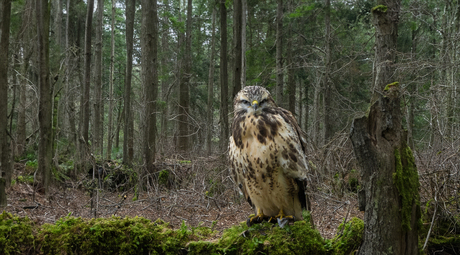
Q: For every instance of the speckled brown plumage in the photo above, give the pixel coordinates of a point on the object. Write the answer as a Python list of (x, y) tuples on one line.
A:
[(267, 154)]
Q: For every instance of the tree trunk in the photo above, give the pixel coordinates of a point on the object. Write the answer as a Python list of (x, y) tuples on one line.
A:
[(317, 115), (128, 141), (211, 85), (291, 83), (58, 21), (279, 54), (84, 104), (5, 170), (411, 89), (98, 119), (237, 27), (45, 148), (388, 171), (300, 103), (327, 85), (149, 39), (307, 108), (69, 41), (111, 79), (165, 82), (243, 42), (184, 94), (223, 77), (21, 131)]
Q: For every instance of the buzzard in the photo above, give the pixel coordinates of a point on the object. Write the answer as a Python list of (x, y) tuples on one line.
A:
[(267, 156)]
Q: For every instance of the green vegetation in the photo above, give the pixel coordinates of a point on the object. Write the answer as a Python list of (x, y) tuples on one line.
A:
[(380, 8), (348, 239), (406, 180), (15, 234), (163, 177), (389, 86), (70, 235)]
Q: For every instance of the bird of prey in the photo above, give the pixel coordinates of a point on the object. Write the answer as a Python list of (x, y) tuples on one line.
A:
[(267, 156)]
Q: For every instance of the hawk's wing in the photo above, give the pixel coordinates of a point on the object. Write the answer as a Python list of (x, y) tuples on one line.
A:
[(297, 132), (236, 159), (291, 140)]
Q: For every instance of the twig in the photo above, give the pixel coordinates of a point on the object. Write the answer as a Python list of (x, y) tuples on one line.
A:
[(432, 223)]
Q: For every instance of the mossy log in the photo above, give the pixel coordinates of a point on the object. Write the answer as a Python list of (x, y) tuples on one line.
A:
[(70, 235)]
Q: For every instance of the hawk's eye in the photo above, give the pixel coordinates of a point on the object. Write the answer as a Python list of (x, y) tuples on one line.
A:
[(263, 101), (246, 102)]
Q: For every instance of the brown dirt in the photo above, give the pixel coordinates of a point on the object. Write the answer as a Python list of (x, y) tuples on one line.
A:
[(191, 205)]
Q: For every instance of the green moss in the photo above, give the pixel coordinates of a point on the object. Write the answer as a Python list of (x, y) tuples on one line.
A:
[(406, 180), (15, 234), (348, 238), (264, 238), (111, 236), (389, 86), (379, 8), (163, 177), (70, 235)]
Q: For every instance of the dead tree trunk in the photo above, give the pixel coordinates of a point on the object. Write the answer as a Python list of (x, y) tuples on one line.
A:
[(390, 177)]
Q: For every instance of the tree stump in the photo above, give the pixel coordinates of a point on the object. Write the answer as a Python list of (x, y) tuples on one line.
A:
[(390, 178)]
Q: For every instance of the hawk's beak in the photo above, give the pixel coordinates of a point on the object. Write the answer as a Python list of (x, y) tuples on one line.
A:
[(255, 104)]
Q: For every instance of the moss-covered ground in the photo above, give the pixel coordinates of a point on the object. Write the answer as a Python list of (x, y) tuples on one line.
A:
[(70, 235)]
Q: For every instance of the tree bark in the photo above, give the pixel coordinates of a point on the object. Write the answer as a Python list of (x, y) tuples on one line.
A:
[(243, 42), (5, 167), (84, 104), (223, 77), (291, 83), (27, 51), (111, 79), (70, 99), (165, 83), (279, 54), (45, 148), (327, 99), (237, 27), (128, 141), (307, 107), (149, 40), (184, 94), (388, 171), (210, 109), (98, 117), (58, 21)]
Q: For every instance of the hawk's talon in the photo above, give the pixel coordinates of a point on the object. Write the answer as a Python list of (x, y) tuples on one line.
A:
[(257, 218)]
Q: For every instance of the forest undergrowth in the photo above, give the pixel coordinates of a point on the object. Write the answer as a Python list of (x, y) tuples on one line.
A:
[(198, 192)]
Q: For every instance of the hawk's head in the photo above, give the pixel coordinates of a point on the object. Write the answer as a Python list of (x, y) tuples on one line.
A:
[(253, 99)]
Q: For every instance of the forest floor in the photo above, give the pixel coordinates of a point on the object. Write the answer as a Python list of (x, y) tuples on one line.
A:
[(173, 206)]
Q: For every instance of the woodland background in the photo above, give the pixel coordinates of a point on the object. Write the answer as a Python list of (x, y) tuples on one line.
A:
[(136, 96)]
